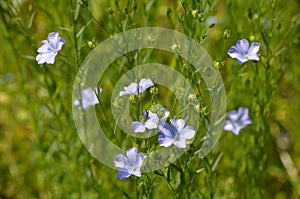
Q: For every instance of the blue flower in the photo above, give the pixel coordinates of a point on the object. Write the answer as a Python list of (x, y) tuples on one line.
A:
[(130, 165), (175, 134), (237, 120), (242, 52), (88, 97), (147, 121), (135, 88), (48, 50)]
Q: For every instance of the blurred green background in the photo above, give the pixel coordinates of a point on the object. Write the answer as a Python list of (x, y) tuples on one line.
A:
[(41, 155)]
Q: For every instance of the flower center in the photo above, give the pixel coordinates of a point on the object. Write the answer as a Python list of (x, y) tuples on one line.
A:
[(54, 51), (134, 168), (176, 138), (246, 56)]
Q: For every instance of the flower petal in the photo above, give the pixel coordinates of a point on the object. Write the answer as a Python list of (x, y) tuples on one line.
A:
[(132, 154), (243, 45), (228, 126), (138, 127), (130, 89), (120, 161), (181, 143), (234, 52), (144, 84), (53, 39), (188, 132), (44, 47), (152, 122), (165, 141), (254, 48), (47, 57), (166, 130), (178, 124), (122, 173)]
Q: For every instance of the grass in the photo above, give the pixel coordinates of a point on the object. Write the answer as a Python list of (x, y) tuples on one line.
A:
[(41, 153)]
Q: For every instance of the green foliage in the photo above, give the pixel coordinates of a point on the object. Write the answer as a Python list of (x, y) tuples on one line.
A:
[(41, 154)]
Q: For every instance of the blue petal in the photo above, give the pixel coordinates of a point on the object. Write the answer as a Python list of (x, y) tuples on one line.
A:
[(120, 161), (138, 127), (187, 133), (181, 143), (165, 141), (166, 130), (123, 174), (130, 89), (254, 48), (144, 84), (132, 155), (178, 124), (152, 121), (228, 126), (243, 45)]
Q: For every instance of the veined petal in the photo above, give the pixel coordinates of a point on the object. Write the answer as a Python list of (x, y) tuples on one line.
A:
[(44, 48), (254, 48), (253, 57), (53, 39), (178, 124), (166, 130), (132, 154), (243, 45), (165, 141), (130, 89), (138, 127), (60, 43), (181, 143), (120, 161), (234, 52), (187, 133), (122, 173), (144, 84)]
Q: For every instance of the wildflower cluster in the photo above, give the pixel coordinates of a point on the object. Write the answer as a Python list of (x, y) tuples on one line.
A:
[(172, 132)]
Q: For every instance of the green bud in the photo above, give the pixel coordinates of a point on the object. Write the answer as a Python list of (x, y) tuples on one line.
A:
[(132, 99), (91, 44), (226, 34), (219, 64), (195, 14), (180, 18), (154, 90)]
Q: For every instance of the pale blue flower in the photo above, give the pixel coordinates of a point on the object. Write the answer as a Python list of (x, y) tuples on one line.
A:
[(130, 164), (48, 50), (149, 120), (242, 52), (237, 120), (88, 97), (175, 134), (135, 88)]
